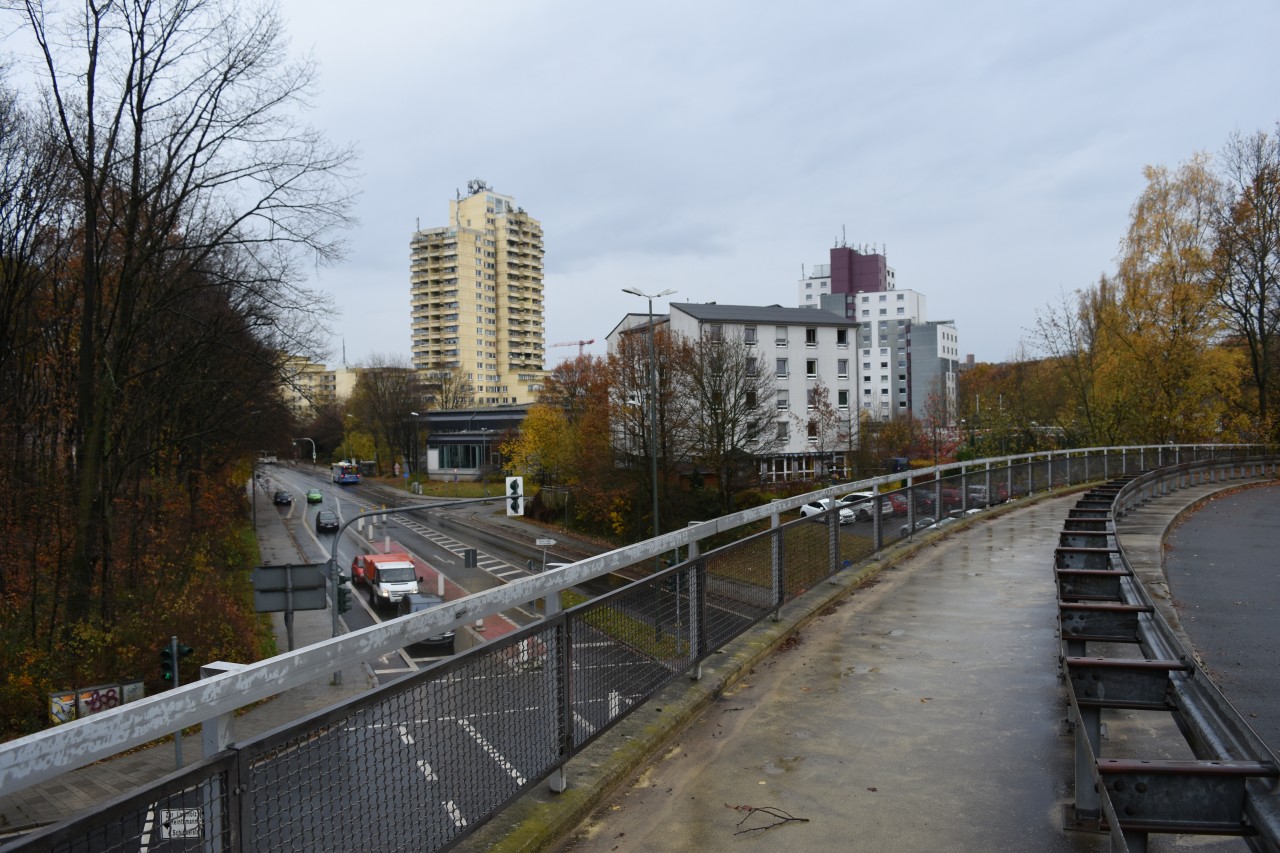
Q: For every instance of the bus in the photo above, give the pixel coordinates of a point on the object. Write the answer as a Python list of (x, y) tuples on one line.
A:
[(346, 472)]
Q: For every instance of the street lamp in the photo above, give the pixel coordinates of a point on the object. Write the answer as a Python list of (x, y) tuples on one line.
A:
[(313, 449), (415, 446), (653, 402)]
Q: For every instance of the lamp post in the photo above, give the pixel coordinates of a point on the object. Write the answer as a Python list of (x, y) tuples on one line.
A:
[(415, 448), (313, 449), (653, 403)]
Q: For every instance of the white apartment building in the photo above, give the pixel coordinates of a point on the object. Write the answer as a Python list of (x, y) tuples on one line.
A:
[(800, 349)]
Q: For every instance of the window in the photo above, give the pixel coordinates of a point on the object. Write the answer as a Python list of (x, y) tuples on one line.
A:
[(784, 402), (749, 334), (715, 331), (751, 367), (866, 312), (782, 431), (782, 367), (813, 430), (842, 398), (811, 368), (884, 311), (842, 368), (811, 337), (780, 336), (842, 337)]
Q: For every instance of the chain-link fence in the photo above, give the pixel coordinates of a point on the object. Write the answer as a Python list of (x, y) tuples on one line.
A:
[(419, 763)]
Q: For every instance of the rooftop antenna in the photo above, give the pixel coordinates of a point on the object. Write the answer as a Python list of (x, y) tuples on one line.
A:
[(844, 238)]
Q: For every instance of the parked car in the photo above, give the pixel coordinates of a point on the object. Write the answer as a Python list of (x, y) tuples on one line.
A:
[(326, 519), (416, 602), (282, 497), (921, 524), (979, 496), (898, 503), (818, 507), (863, 505), (1006, 493), (314, 496)]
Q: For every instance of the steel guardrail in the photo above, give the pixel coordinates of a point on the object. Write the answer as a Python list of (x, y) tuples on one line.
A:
[(1231, 786)]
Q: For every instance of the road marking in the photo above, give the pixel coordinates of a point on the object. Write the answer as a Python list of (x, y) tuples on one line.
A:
[(147, 826), (456, 814), (493, 752), (585, 723), (427, 771), (404, 734)]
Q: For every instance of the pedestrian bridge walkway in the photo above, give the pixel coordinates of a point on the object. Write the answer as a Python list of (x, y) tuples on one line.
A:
[(922, 711)]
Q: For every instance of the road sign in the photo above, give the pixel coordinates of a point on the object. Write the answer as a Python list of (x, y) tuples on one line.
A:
[(545, 543), (279, 589)]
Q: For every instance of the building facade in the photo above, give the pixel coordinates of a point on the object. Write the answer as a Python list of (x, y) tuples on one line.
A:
[(476, 303), (907, 364), (307, 386), (801, 351)]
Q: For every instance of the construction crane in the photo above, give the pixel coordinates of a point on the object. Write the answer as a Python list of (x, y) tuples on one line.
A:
[(578, 344)]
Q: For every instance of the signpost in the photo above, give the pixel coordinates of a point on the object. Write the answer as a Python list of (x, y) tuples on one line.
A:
[(288, 588), (544, 544)]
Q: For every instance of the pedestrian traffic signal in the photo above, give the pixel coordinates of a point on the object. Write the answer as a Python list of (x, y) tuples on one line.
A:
[(169, 663), (344, 597), (515, 496)]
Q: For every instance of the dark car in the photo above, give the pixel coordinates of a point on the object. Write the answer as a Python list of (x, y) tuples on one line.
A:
[(416, 602), (326, 519), (283, 497)]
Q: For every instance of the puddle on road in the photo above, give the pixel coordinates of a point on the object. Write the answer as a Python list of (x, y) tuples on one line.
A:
[(783, 765)]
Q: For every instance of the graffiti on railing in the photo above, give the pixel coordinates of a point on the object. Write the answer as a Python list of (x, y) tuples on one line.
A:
[(68, 705)]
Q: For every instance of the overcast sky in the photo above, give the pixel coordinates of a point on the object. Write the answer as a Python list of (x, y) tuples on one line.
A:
[(992, 150)]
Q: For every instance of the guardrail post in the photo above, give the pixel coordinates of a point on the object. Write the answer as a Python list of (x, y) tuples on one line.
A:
[(558, 781), (776, 554)]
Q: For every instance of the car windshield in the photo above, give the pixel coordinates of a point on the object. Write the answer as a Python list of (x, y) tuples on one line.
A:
[(398, 575)]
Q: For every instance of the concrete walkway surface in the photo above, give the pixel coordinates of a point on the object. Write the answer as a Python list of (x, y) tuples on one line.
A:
[(912, 706)]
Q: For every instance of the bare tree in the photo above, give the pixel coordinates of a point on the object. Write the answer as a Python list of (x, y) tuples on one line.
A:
[(1247, 262), (191, 174), (823, 426), (730, 400), (449, 389), (388, 391)]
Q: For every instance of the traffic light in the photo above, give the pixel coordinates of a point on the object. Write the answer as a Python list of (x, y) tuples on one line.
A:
[(515, 496), (344, 596), (168, 661)]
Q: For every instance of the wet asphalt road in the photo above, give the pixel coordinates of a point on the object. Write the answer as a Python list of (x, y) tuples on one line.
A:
[(1223, 566)]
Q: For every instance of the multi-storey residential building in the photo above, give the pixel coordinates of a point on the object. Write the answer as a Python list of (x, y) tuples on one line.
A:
[(907, 364), (476, 298), (307, 386), (801, 350)]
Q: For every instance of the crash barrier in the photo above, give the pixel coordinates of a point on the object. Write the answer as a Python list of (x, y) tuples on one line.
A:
[(1119, 655), (422, 762)]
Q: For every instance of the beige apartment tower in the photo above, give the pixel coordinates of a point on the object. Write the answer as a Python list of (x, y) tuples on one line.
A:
[(475, 291)]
